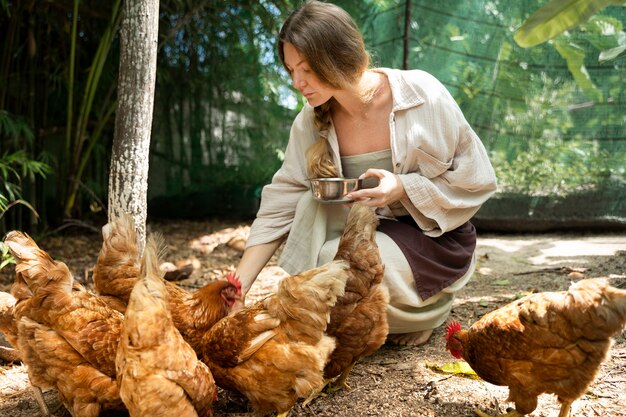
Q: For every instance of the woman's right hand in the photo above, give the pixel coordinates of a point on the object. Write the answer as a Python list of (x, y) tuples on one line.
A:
[(389, 189)]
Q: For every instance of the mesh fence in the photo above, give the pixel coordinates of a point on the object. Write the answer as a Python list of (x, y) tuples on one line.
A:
[(553, 117)]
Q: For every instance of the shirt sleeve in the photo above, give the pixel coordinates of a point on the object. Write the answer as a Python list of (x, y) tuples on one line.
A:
[(280, 197), (447, 201)]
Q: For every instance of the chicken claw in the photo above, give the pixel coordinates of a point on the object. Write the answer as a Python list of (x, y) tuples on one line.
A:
[(319, 392), (330, 386), (340, 382)]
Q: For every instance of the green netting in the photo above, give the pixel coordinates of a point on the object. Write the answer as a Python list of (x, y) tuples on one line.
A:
[(552, 117)]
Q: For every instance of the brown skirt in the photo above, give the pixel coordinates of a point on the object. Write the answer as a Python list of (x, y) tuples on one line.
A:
[(436, 262)]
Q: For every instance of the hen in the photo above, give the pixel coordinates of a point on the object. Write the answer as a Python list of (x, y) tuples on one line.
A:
[(275, 367), (194, 312), (8, 327), (552, 342), (358, 321), (158, 373), (53, 363), (66, 336)]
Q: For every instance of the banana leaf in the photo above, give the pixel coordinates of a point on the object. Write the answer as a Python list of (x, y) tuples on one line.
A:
[(556, 17), (612, 53)]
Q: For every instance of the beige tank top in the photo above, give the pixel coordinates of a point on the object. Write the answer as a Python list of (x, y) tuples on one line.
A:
[(353, 166)]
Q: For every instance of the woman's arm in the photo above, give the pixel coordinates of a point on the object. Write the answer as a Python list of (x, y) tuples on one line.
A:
[(253, 261)]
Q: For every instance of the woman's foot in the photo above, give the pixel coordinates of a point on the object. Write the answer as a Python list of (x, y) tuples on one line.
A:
[(410, 339)]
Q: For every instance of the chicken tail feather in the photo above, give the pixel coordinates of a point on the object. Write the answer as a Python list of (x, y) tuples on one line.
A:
[(608, 302), (150, 272), (34, 268), (358, 245), (117, 267), (362, 221)]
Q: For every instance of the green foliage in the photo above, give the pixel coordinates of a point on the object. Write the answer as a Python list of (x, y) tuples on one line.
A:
[(58, 73), (556, 17), (5, 256), (574, 55), (80, 141), (14, 168), (14, 128), (220, 106), (18, 165), (556, 167), (553, 20), (550, 116)]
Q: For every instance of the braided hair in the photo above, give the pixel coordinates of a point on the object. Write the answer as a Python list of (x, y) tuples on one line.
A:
[(328, 38)]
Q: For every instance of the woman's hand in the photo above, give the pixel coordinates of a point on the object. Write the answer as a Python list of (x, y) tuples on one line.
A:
[(389, 189)]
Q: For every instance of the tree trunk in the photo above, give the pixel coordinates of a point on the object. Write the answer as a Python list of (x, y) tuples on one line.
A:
[(128, 179)]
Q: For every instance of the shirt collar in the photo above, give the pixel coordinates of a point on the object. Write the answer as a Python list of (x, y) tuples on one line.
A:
[(403, 93)]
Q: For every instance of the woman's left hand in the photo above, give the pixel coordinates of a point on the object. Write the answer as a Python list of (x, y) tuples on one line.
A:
[(389, 189)]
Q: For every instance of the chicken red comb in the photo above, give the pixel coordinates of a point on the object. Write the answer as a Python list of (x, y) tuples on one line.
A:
[(452, 327), (234, 279)]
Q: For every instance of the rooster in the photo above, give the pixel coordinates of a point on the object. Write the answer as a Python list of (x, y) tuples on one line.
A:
[(552, 342), (66, 336), (194, 312), (158, 373), (358, 321), (274, 367)]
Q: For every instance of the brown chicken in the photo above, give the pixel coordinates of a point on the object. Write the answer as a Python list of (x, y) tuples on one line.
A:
[(552, 342), (358, 321), (158, 373), (194, 312), (273, 367), (8, 327), (53, 363), (67, 337)]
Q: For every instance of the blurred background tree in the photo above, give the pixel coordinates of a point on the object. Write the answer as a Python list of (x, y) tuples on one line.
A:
[(552, 116)]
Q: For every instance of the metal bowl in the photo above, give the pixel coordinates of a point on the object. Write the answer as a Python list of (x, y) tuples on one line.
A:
[(334, 190)]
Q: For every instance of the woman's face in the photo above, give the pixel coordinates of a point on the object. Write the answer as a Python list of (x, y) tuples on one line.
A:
[(304, 79)]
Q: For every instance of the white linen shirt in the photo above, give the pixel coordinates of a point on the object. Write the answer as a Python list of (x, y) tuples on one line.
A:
[(440, 160)]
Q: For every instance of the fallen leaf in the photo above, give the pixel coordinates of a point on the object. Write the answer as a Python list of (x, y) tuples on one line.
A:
[(460, 368)]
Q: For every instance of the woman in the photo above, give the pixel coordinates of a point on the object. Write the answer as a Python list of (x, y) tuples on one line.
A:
[(402, 131)]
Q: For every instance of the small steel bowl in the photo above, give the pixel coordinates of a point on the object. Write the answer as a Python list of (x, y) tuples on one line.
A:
[(334, 190)]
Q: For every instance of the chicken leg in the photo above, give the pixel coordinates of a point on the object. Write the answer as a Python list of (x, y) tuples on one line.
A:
[(318, 392), (331, 385), (565, 407), (43, 407), (340, 382)]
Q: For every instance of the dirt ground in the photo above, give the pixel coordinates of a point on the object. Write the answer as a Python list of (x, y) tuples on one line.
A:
[(395, 381)]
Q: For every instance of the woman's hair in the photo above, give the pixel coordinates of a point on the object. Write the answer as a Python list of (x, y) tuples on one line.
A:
[(331, 43)]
